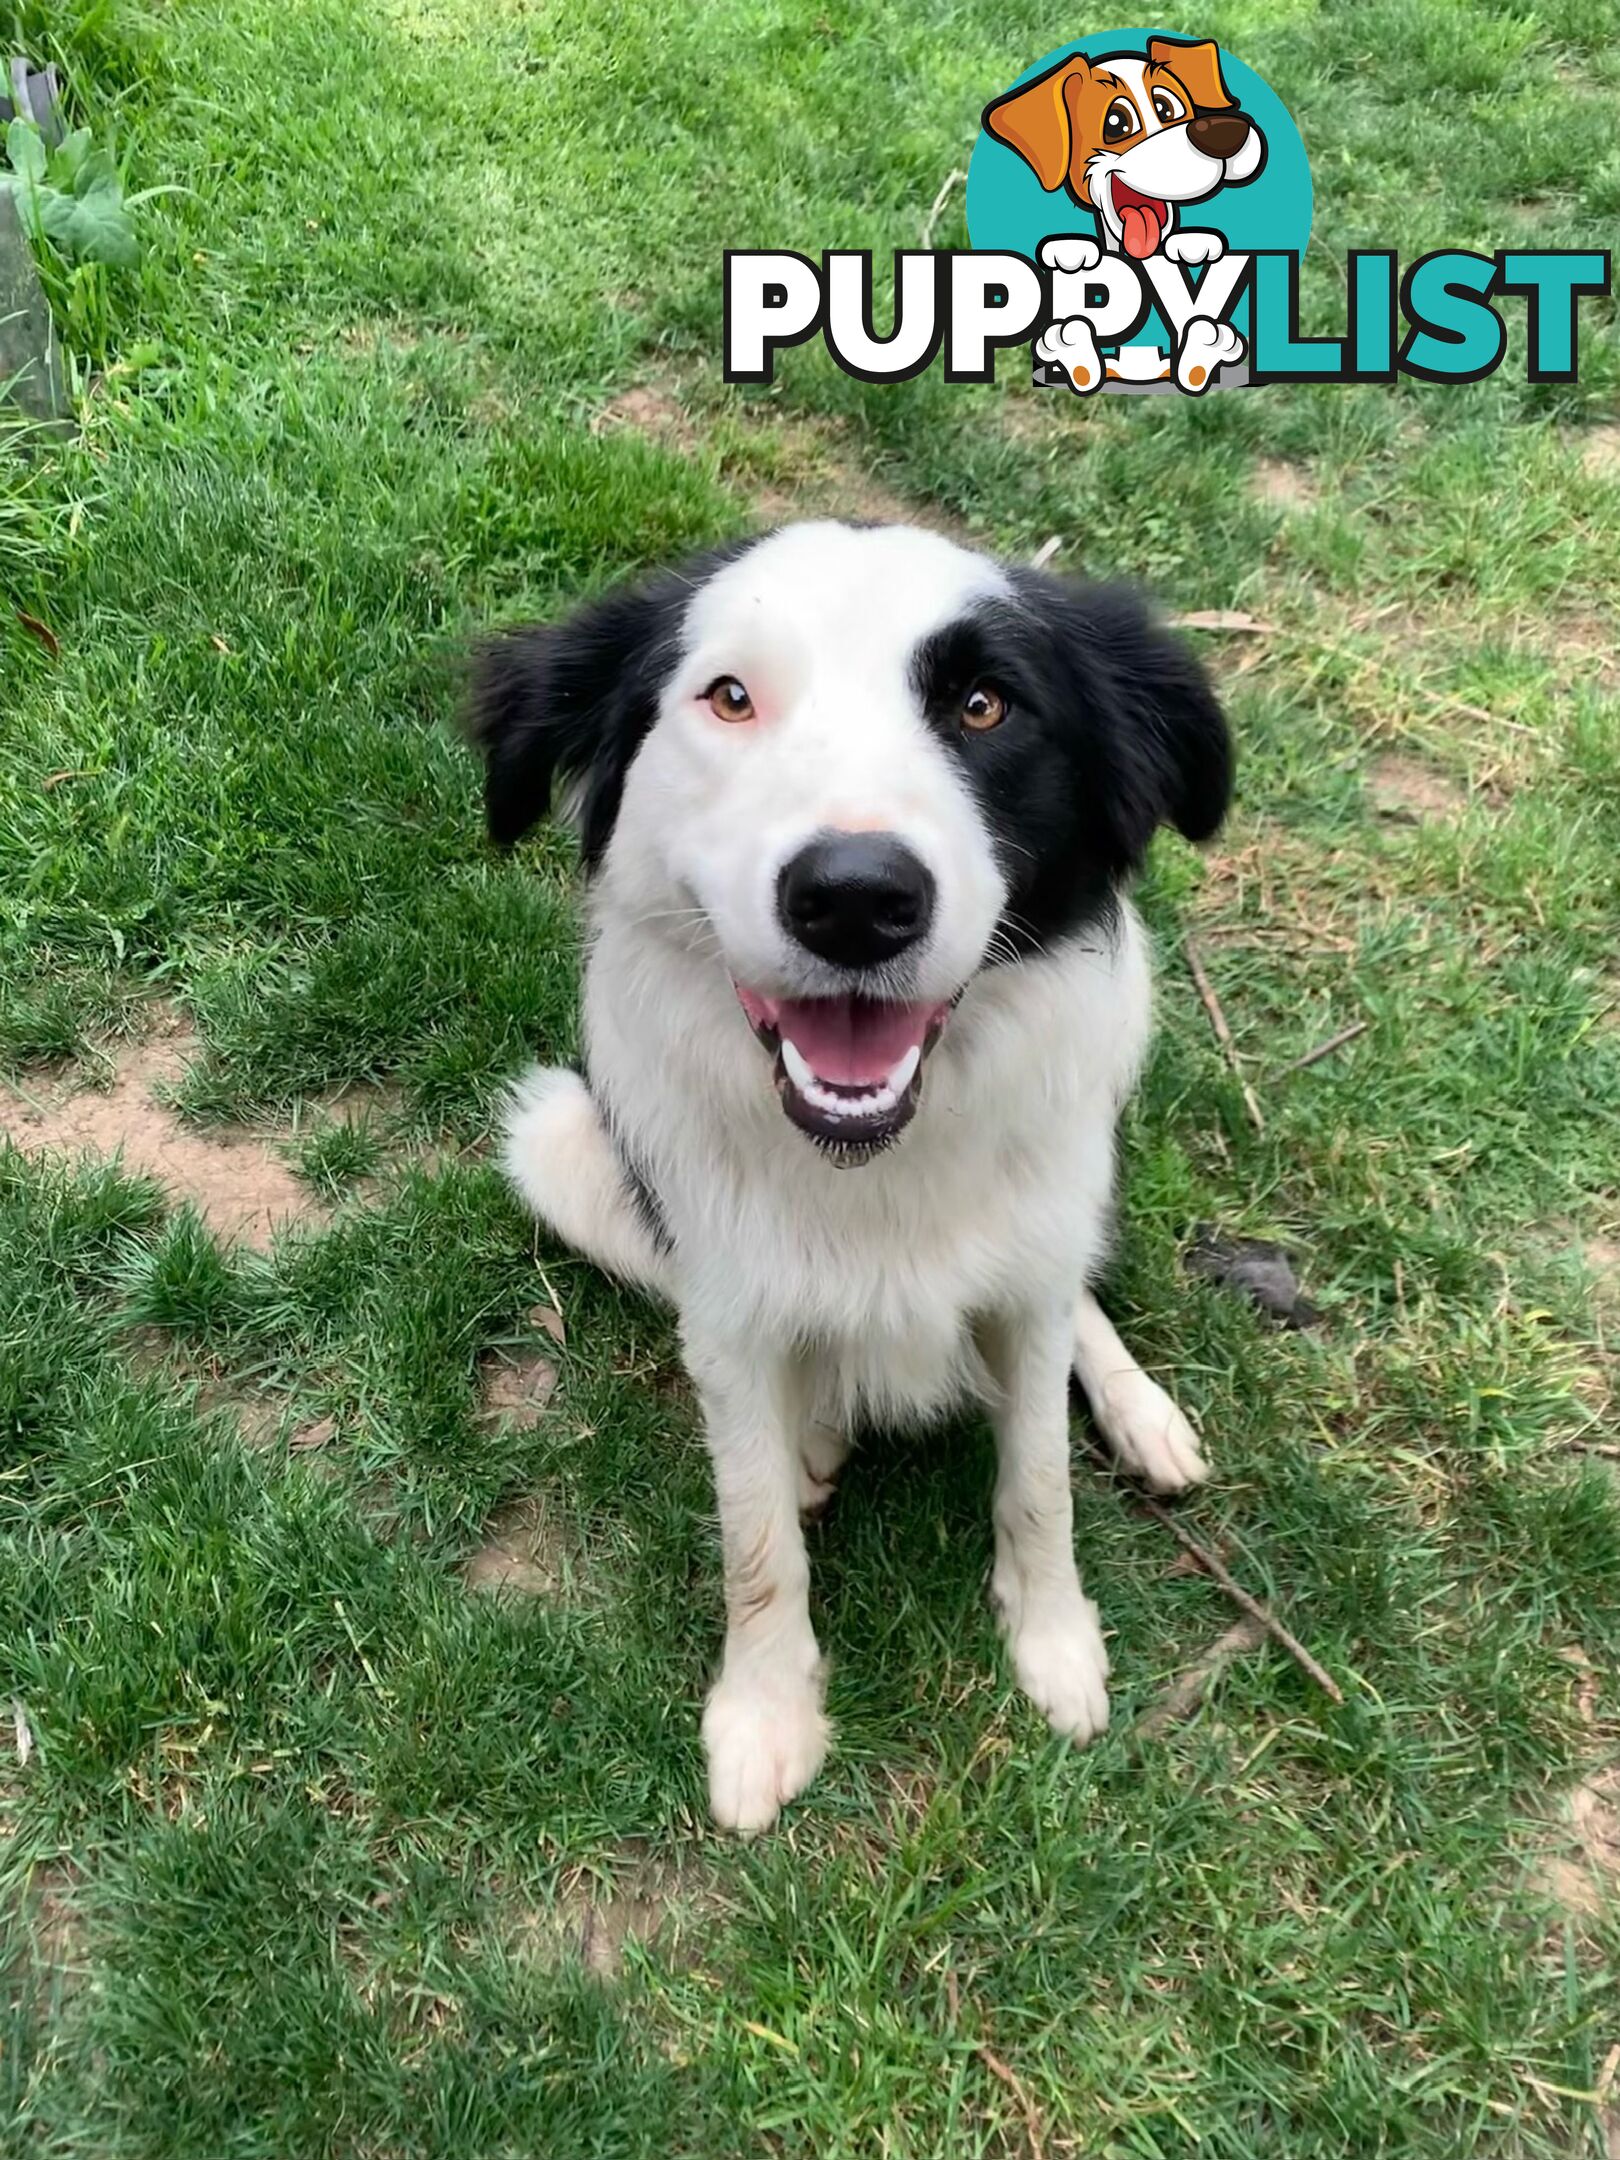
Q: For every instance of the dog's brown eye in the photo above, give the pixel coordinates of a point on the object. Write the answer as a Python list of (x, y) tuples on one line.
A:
[(1168, 107), (728, 700), (983, 708), (1119, 121)]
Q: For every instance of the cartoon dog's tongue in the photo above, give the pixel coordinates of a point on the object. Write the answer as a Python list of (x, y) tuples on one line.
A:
[(1142, 219)]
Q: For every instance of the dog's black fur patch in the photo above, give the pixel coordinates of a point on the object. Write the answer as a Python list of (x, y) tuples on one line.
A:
[(1111, 730), (574, 701)]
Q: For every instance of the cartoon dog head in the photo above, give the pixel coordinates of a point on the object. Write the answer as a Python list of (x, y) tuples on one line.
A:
[(1131, 136)]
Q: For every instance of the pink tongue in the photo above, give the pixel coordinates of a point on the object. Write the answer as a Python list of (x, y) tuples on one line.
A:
[(1142, 229), (850, 1041)]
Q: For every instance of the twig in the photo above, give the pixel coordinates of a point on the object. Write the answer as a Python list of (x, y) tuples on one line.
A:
[(1015, 2085), (1188, 1689), (1597, 1447), (1223, 1034), (1443, 701), (939, 202), (1044, 553), (1219, 1574), (1326, 1049)]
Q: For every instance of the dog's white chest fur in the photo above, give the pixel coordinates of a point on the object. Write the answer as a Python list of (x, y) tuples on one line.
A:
[(875, 1271)]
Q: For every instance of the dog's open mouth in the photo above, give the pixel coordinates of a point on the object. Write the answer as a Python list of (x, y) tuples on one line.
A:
[(848, 1069), (1142, 218)]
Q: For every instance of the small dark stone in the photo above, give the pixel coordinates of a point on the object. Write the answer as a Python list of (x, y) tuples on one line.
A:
[(1261, 1272)]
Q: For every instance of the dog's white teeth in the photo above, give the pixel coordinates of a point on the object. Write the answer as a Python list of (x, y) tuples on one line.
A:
[(838, 1103), (797, 1070), (900, 1078)]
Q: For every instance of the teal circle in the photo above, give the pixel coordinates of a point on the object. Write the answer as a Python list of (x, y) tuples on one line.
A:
[(1007, 207)]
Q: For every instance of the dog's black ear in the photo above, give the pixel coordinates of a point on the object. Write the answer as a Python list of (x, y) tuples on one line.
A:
[(1173, 750), (569, 704), (509, 718), (1156, 732), (566, 706)]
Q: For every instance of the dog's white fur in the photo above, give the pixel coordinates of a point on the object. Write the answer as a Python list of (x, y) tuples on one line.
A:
[(952, 1267)]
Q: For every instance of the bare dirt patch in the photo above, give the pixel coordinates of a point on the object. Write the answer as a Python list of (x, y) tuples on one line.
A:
[(515, 1390), (260, 1418), (1600, 450), (1404, 789), (646, 411), (1283, 486), (524, 1554), (598, 1915), (235, 1179), (384, 333), (53, 1924), (1584, 1877), (1602, 1257), (1582, 1874)]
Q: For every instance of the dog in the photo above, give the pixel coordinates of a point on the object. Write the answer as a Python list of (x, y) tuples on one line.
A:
[(863, 998), (1133, 138)]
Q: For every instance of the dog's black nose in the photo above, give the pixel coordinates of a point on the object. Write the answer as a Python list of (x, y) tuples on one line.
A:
[(855, 898), (1219, 134)]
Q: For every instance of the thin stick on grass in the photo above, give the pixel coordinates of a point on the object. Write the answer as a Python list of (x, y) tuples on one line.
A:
[(1221, 1576), (1597, 1447), (1015, 2085), (1188, 1689), (1326, 1049), (1223, 1034), (938, 204), (1245, 1601)]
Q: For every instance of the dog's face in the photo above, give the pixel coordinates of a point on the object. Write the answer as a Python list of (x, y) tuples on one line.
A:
[(1131, 137), (854, 765)]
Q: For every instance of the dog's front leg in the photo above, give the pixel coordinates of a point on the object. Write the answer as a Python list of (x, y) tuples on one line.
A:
[(1050, 1624), (1150, 1437), (763, 1728)]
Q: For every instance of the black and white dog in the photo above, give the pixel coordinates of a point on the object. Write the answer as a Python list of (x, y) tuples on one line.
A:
[(863, 1000)]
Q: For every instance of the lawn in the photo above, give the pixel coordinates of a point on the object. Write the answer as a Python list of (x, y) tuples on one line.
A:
[(351, 1800)]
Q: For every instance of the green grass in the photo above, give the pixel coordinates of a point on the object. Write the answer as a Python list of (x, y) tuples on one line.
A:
[(307, 1831)]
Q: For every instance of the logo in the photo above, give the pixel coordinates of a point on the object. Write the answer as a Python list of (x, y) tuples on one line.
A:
[(1138, 203), (1143, 173)]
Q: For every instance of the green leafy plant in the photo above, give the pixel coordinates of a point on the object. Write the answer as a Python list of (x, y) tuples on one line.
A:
[(70, 199), (71, 202)]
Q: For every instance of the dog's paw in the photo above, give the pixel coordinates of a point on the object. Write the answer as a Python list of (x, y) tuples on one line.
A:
[(1149, 1436), (1072, 345), (765, 1738), (1194, 247), (1062, 1666), (1070, 251), (1205, 346)]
